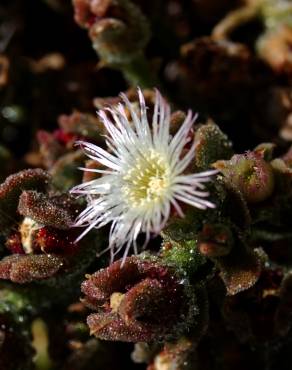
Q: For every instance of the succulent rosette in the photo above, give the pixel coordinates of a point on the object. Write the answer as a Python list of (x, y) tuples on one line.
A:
[(130, 299), (40, 251)]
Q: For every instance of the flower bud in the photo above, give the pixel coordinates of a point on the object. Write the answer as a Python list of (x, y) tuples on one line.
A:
[(118, 29), (250, 174)]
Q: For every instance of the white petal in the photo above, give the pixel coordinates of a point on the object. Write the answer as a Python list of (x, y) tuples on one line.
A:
[(140, 157)]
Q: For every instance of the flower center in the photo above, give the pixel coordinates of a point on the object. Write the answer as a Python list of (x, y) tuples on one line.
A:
[(147, 180)]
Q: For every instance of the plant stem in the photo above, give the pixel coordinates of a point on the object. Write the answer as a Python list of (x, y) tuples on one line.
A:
[(138, 73)]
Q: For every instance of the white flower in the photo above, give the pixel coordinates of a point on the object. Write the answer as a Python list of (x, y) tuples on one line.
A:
[(144, 175)]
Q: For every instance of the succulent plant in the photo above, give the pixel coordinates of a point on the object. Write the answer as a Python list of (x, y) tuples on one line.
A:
[(145, 185), (40, 245)]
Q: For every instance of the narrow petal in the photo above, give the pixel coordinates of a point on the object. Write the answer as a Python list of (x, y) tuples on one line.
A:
[(142, 178)]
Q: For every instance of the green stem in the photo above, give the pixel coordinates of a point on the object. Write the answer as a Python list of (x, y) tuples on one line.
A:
[(138, 73)]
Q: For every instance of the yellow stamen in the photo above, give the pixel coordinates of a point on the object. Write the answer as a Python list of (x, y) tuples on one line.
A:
[(147, 180)]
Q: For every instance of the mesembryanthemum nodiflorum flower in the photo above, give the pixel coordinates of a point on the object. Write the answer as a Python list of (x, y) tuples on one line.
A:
[(144, 176)]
